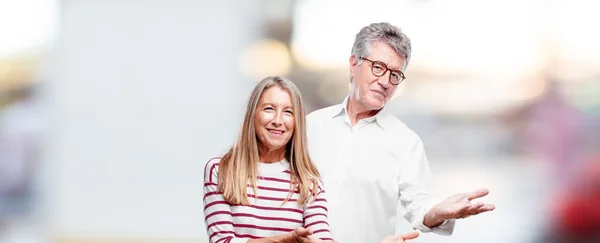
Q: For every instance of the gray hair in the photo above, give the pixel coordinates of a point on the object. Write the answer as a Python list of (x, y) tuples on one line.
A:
[(385, 32)]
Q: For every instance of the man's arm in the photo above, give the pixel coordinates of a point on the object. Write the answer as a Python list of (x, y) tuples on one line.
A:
[(456, 207), (415, 192), (422, 209)]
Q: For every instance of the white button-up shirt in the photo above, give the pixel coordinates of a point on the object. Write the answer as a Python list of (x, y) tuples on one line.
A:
[(374, 172)]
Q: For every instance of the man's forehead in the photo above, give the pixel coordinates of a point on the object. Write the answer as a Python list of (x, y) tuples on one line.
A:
[(389, 62), (383, 52), (398, 66)]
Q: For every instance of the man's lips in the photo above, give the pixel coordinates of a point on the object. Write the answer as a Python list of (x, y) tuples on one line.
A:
[(379, 92)]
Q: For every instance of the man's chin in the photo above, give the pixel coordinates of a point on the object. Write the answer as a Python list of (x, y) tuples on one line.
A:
[(376, 104)]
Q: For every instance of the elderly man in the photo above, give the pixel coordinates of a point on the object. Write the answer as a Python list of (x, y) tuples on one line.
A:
[(374, 167)]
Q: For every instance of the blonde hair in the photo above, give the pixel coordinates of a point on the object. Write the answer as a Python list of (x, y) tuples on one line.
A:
[(240, 164)]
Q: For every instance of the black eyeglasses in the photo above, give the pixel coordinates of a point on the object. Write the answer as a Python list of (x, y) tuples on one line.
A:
[(379, 69)]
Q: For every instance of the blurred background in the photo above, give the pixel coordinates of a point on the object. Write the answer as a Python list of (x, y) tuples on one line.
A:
[(110, 109)]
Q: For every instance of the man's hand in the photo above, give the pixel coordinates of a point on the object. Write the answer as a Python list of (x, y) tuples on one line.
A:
[(400, 238), (457, 206)]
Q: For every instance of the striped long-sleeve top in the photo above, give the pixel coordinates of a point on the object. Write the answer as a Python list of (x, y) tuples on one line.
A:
[(266, 216)]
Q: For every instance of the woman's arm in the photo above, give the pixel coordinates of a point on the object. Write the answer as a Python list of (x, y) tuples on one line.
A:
[(315, 216), (218, 220), (217, 211), (299, 235)]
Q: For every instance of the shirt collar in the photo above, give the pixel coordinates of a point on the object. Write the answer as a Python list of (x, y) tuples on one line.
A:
[(382, 117)]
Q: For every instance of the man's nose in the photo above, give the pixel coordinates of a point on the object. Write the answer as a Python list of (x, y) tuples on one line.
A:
[(384, 80)]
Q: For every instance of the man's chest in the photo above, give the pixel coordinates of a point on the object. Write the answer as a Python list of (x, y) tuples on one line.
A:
[(355, 157)]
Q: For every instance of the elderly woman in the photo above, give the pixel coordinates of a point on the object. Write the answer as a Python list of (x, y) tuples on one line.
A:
[(266, 188)]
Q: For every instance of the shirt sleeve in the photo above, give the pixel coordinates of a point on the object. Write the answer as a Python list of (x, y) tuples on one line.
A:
[(315, 216), (415, 187), (217, 211)]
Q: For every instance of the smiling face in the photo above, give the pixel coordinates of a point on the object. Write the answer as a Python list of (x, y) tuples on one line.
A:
[(274, 119), (373, 92)]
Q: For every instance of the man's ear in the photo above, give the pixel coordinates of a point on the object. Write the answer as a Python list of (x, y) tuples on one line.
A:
[(353, 64)]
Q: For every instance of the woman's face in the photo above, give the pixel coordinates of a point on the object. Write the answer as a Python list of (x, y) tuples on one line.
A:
[(274, 119)]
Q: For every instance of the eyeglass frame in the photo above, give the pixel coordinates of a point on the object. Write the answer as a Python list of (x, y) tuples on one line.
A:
[(401, 77)]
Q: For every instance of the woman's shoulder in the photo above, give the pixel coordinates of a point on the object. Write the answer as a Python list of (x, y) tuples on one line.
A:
[(212, 166), (214, 161), (211, 169)]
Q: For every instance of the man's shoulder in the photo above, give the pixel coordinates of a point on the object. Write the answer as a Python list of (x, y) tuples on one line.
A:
[(399, 128), (323, 113)]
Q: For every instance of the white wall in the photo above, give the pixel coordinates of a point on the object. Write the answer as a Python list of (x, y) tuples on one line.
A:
[(141, 94)]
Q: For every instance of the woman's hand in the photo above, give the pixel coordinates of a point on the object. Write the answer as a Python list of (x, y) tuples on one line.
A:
[(302, 235)]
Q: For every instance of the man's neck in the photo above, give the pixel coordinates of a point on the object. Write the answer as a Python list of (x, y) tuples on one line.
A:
[(356, 111)]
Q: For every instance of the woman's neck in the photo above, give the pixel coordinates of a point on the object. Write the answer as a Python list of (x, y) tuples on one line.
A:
[(271, 156)]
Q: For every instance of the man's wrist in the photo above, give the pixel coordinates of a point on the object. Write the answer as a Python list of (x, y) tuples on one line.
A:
[(433, 219)]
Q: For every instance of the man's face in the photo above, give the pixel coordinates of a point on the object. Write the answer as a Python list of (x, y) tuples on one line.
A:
[(370, 91)]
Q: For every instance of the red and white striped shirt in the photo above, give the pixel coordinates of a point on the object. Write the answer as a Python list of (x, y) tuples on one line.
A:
[(266, 216)]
